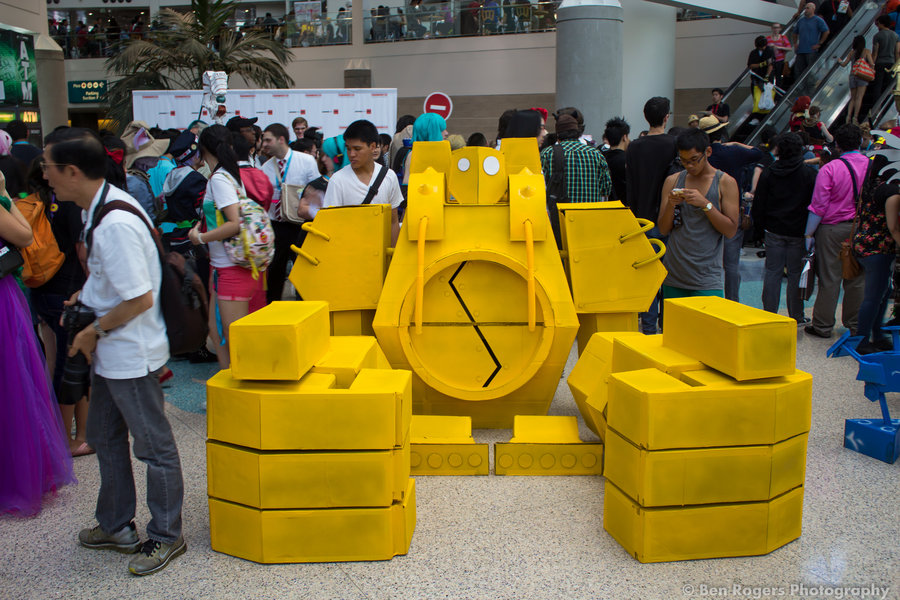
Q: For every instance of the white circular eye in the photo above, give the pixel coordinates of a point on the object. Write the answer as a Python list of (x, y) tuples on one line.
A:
[(463, 164), (491, 165)]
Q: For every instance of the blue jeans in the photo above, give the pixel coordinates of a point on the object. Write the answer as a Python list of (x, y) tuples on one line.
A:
[(731, 262), (878, 268), (782, 252), (117, 407), (653, 317)]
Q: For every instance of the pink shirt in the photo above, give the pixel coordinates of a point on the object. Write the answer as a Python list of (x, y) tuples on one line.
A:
[(832, 197), (782, 41)]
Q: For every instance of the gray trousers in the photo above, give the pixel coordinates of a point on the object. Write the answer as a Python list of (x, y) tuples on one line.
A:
[(828, 269), (136, 405), (782, 252), (731, 263)]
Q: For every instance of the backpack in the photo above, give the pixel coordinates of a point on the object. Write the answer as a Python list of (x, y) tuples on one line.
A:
[(159, 202), (43, 257), (254, 246), (182, 296), (400, 161), (557, 190)]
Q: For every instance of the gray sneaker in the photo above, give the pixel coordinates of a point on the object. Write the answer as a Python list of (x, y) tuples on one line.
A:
[(155, 556), (125, 540)]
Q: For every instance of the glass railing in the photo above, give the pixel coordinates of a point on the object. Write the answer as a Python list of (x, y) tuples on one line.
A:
[(458, 18)]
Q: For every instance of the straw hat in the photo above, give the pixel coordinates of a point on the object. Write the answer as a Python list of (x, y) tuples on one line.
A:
[(710, 124), (139, 143)]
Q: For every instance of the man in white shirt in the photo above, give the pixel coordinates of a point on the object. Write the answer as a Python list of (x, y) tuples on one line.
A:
[(128, 348), (351, 185), (287, 167)]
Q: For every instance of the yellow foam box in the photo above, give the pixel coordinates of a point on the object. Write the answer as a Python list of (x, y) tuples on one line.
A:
[(736, 339), (705, 531), (591, 323), (588, 378), (656, 411), (373, 414), (352, 322), (707, 475), (647, 351), (443, 445), (279, 342), (346, 356), (313, 535), (306, 479), (547, 445)]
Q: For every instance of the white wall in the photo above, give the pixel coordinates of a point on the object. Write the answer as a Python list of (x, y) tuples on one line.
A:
[(28, 16), (712, 52)]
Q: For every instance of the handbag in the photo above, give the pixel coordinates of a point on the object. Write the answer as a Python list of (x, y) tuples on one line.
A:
[(850, 268), (862, 70), (290, 203), (10, 260)]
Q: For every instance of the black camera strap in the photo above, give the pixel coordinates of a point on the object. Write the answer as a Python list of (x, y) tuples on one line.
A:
[(89, 237)]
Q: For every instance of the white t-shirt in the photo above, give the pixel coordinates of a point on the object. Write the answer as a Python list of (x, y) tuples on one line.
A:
[(220, 192), (345, 189), (124, 264), (299, 169)]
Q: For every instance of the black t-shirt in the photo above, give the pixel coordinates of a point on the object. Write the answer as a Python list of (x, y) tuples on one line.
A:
[(648, 161), (721, 109), (757, 57), (615, 160), (25, 153), (14, 171)]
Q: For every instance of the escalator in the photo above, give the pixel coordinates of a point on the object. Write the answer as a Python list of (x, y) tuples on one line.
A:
[(825, 81)]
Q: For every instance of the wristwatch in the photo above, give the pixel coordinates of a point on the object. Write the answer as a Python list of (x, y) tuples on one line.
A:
[(100, 331), (708, 207)]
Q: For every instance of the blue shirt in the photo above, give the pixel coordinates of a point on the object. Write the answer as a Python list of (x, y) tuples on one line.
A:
[(809, 30)]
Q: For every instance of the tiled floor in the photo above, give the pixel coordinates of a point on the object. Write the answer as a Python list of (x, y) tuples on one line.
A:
[(495, 537)]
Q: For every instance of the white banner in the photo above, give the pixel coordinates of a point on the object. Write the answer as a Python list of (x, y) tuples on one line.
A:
[(332, 110)]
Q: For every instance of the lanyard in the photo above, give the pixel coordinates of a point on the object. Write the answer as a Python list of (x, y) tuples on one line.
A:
[(283, 173)]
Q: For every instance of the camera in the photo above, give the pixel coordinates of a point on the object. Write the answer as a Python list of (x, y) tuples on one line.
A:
[(76, 377)]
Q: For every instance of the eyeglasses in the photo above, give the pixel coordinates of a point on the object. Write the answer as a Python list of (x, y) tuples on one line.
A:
[(45, 164), (694, 161)]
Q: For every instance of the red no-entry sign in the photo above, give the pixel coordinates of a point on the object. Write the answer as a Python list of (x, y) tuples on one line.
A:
[(439, 103)]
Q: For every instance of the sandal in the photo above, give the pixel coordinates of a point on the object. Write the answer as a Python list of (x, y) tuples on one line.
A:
[(83, 450), (169, 374)]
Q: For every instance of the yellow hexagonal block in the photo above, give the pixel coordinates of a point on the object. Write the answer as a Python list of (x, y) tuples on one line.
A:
[(313, 535), (608, 234), (736, 339), (281, 341), (547, 445), (292, 480), (648, 352), (706, 475), (346, 357), (344, 257), (656, 411), (443, 445), (373, 414), (588, 379), (705, 531)]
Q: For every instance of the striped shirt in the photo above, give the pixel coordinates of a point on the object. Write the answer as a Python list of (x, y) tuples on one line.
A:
[(587, 174)]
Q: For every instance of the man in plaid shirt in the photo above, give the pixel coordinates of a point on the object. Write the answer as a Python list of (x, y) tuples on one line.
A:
[(587, 174)]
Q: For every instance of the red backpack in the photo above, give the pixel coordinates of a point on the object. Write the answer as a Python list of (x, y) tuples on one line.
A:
[(258, 186)]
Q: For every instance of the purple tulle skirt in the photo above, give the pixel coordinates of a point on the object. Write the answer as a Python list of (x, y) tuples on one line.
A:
[(34, 455)]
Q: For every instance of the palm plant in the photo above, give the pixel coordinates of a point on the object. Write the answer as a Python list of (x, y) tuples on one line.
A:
[(187, 44)]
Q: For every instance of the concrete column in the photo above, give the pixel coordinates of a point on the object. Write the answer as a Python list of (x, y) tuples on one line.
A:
[(358, 36), (648, 59), (589, 60), (51, 82)]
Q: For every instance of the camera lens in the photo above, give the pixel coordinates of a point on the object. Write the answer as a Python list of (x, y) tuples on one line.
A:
[(76, 379)]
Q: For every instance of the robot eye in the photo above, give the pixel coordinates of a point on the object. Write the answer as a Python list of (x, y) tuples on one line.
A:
[(491, 165), (463, 164)]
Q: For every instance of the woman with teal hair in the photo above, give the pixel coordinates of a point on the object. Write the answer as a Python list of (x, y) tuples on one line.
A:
[(333, 154), (429, 127)]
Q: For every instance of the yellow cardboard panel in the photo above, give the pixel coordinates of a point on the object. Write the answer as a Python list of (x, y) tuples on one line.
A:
[(352, 322), (348, 268), (548, 459), (738, 340), (706, 531), (346, 356), (521, 153), (426, 198), (449, 459), (528, 202), (313, 535), (373, 414), (646, 352), (435, 155), (607, 233), (657, 412), (707, 475), (284, 480), (543, 429), (591, 323), (441, 429), (281, 341)]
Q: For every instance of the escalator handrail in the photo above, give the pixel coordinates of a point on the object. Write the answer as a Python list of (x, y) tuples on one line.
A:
[(882, 106)]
